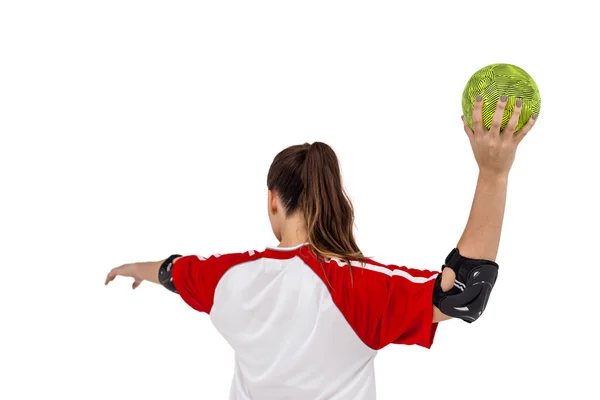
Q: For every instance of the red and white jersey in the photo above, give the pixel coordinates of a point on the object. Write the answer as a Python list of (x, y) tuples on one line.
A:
[(302, 329)]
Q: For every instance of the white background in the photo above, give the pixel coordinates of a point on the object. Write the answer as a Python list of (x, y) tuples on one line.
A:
[(131, 130)]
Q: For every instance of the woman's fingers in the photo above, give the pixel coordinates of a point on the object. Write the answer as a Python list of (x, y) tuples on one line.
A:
[(478, 127), (466, 127), (136, 283), (111, 275), (514, 119), (498, 115), (123, 270), (521, 133)]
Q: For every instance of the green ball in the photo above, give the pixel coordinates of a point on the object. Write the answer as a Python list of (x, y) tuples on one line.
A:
[(495, 80)]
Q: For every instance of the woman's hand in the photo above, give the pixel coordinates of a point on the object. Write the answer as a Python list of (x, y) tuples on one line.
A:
[(128, 270), (141, 271), (495, 150)]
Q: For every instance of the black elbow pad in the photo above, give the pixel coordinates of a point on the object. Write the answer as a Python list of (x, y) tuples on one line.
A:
[(474, 282)]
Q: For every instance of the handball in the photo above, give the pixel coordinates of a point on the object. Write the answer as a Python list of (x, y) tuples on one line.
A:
[(496, 80)]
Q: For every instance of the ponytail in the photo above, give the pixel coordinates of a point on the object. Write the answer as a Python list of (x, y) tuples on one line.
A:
[(327, 209)]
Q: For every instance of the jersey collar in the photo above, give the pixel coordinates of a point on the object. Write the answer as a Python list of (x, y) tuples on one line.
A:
[(287, 248)]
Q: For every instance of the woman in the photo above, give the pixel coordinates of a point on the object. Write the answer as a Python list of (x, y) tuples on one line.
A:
[(306, 318)]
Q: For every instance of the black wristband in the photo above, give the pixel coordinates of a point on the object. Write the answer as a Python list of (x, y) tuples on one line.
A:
[(164, 273)]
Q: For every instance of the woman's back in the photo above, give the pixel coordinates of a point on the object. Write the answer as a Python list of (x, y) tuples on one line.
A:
[(304, 330)]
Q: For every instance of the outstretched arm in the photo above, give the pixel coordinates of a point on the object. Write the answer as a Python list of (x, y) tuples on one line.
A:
[(142, 271)]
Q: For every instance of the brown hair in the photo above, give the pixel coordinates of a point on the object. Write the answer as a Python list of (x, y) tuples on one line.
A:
[(307, 179)]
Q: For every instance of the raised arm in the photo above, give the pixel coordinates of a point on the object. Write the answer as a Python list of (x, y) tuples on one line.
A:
[(494, 152)]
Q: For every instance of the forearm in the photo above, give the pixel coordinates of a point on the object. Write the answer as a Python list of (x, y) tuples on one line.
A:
[(148, 271), (481, 237)]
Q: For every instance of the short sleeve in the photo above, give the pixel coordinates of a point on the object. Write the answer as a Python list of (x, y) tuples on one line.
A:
[(196, 278), (384, 304), (409, 313)]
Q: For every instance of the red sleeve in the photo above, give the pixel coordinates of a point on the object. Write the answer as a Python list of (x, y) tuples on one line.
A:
[(410, 311), (196, 278), (384, 304)]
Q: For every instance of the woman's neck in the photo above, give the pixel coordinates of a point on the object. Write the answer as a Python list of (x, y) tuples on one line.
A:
[(293, 232)]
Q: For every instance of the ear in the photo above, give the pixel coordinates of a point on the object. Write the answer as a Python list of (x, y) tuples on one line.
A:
[(272, 202)]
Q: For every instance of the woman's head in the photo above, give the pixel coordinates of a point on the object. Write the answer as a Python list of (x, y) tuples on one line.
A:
[(306, 195)]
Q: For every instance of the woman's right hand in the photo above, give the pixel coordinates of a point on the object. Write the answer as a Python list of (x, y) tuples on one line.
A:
[(495, 150)]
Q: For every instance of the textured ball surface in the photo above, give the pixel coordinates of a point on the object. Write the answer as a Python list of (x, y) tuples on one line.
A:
[(495, 80)]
